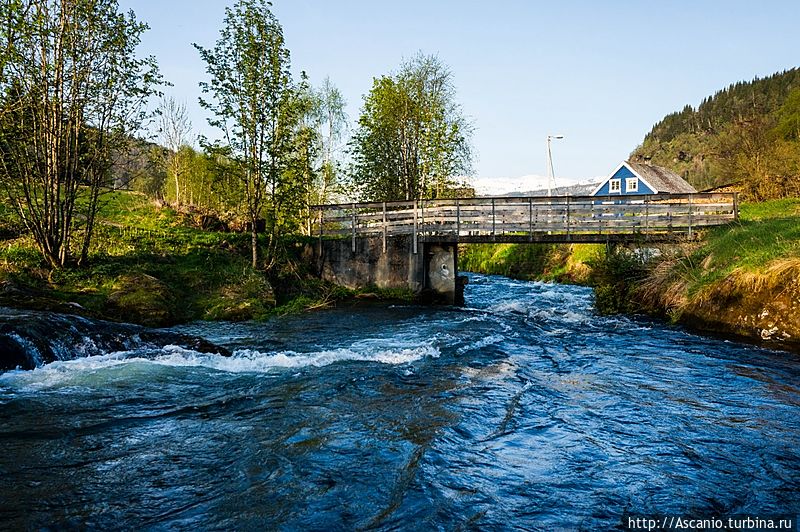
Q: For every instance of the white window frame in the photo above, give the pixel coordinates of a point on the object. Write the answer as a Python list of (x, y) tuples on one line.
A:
[(614, 185), (632, 181)]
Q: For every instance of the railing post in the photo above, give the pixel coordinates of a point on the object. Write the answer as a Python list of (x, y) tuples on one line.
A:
[(647, 214), (690, 216), (669, 215), (414, 241), (736, 206), (384, 227), (458, 219), (568, 218), (353, 223), (494, 234), (530, 219), (602, 216), (422, 216)]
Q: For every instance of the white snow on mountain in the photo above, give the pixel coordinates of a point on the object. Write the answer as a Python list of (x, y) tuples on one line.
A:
[(504, 186)]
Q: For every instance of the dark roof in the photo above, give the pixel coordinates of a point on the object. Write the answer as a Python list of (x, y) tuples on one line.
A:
[(662, 179)]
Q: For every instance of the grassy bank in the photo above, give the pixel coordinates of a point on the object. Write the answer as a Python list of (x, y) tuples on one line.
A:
[(152, 266), (742, 279), (538, 262)]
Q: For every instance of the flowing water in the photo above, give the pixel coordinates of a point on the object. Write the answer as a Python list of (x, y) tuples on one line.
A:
[(522, 410)]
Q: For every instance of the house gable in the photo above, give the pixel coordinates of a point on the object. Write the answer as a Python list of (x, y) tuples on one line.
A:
[(622, 175)]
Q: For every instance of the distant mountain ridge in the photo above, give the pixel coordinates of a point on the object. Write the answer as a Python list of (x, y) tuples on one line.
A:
[(580, 189), (571, 190)]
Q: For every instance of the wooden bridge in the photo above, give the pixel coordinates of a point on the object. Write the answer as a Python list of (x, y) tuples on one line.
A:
[(599, 219)]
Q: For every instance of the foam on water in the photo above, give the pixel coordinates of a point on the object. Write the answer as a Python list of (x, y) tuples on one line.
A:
[(70, 373), (85, 371), (486, 341), (510, 307), (250, 360)]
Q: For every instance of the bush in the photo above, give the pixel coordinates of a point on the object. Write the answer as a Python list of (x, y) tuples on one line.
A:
[(615, 275)]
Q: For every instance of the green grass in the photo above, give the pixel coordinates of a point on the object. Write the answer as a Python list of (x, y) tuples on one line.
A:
[(147, 265), (757, 249), (512, 260), (769, 210), (766, 232)]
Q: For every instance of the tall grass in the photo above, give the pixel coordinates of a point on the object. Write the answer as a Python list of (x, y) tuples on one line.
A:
[(732, 271), (766, 232)]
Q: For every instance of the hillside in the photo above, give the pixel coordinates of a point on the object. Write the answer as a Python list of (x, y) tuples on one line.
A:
[(747, 132), (155, 266)]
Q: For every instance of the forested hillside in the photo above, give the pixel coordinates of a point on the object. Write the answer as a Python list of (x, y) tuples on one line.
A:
[(748, 132)]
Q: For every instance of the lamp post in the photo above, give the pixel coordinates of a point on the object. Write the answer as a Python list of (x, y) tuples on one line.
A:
[(550, 176)]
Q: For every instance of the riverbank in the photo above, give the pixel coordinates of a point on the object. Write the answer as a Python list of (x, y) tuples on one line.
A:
[(156, 266), (741, 280)]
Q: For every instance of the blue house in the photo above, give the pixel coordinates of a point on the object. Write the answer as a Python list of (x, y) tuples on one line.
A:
[(632, 179)]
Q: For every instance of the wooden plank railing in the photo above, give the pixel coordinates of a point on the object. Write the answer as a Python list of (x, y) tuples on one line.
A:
[(512, 219)]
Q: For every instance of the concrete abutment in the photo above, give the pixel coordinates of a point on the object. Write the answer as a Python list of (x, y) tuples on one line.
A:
[(431, 273)]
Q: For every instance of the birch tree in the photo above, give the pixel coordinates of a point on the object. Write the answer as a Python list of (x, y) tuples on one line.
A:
[(331, 125), (412, 139), (250, 93), (73, 90), (175, 128)]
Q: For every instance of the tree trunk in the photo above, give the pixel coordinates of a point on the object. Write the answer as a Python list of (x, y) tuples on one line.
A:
[(254, 240), (177, 189)]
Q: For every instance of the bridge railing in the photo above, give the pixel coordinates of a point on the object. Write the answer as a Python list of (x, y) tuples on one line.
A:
[(515, 218)]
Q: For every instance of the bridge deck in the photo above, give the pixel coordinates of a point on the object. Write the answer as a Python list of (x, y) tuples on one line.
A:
[(530, 219)]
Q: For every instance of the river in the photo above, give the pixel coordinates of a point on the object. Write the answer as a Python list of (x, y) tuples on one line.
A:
[(524, 409)]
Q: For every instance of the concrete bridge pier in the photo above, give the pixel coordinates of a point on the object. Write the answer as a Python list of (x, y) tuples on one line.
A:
[(431, 273)]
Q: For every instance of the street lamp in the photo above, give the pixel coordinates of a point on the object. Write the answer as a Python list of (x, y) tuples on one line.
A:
[(550, 177)]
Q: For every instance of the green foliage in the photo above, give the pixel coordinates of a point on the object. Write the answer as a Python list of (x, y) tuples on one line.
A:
[(767, 233), (746, 133), (212, 181), (72, 89), (788, 126), (547, 262), (249, 298), (139, 167), (174, 129), (519, 261), (329, 119), (146, 267), (260, 112), (615, 276), (738, 101), (412, 140), (753, 154)]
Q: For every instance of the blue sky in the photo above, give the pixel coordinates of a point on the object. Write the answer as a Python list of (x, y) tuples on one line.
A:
[(600, 73)]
